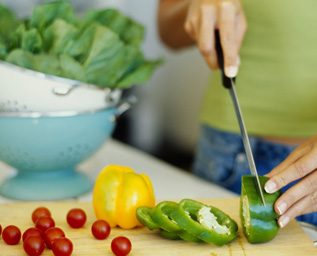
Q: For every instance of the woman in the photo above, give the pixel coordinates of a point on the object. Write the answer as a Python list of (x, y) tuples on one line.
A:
[(276, 85)]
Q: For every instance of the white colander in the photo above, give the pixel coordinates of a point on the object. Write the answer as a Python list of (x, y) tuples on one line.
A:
[(27, 90)]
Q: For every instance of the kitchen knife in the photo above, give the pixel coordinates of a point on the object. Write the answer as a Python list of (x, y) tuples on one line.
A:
[(229, 83)]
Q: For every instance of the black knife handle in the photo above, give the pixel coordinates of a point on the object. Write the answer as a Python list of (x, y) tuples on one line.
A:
[(226, 81)]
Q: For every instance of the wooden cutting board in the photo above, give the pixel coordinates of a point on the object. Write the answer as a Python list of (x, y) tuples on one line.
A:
[(290, 240)]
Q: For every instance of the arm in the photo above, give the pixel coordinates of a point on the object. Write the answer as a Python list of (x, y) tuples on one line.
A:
[(199, 19), (302, 197)]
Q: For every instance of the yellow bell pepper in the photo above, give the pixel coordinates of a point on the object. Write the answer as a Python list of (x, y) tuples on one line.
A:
[(118, 192)]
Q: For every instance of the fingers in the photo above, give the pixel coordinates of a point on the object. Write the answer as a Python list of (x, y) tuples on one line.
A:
[(206, 36), (200, 25), (296, 170), (294, 156), (305, 187), (301, 198), (305, 205), (193, 20), (241, 28), (228, 35), (202, 19)]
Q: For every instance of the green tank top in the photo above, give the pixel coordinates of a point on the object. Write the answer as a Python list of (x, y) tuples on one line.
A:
[(277, 80)]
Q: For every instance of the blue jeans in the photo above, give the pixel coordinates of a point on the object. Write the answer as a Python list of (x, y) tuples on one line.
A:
[(220, 158)]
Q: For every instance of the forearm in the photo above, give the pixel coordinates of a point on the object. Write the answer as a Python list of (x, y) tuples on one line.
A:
[(171, 19)]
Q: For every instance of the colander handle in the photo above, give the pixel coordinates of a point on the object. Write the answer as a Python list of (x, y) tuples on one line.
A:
[(125, 105)]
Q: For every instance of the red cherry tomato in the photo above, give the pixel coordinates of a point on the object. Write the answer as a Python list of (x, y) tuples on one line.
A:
[(51, 234), (11, 235), (76, 218), (40, 212), (62, 247), (100, 229), (0, 230), (34, 245), (121, 246), (31, 232), (44, 223)]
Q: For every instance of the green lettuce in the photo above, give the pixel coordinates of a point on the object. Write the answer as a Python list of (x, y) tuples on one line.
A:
[(128, 30), (45, 14), (102, 48), (58, 35), (140, 75)]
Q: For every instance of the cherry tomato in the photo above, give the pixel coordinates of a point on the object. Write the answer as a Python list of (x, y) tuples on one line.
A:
[(121, 246), (76, 218), (34, 245), (11, 235), (62, 247), (44, 223), (40, 212), (100, 229), (31, 232), (51, 234), (0, 230)]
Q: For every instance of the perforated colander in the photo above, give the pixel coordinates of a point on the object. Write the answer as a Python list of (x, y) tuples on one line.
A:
[(26, 90), (45, 149)]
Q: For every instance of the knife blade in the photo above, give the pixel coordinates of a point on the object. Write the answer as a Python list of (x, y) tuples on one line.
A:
[(229, 83)]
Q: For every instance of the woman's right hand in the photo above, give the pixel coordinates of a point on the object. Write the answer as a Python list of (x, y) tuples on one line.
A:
[(204, 16)]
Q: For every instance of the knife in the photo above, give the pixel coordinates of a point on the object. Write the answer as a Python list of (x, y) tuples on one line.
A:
[(229, 83)]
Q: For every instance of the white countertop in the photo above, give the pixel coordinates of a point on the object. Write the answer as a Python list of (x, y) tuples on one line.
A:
[(168, 181)]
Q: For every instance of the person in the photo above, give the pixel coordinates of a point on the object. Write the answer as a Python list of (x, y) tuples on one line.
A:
[(270, 47)]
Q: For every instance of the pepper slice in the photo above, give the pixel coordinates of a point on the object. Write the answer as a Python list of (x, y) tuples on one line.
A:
[(162, 216), (259, 222), (169, 235), (144, 216), (206, 223)]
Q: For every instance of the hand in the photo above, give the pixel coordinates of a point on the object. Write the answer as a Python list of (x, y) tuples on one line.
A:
[(204, 16), (302, 197)]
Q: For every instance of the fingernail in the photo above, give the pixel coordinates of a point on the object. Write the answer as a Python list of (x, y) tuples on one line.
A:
[(283, 221), (231, 71), (270, 187), (282, 208), (238, 61)]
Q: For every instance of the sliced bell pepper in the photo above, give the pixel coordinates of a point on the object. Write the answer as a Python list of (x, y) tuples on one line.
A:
[(162, 216), (144, 216), (206, 223), (169, 235), (161, 220), (259, 221)]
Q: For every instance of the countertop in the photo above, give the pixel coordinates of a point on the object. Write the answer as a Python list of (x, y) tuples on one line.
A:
[(168, 181)]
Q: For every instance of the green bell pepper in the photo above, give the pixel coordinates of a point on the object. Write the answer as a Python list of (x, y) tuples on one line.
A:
[(259, 221), (162, 216), (206, 223), (158, 218), (169, 235), (144, 216)]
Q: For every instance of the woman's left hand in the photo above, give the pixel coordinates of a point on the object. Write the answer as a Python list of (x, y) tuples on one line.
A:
[(302, 197)]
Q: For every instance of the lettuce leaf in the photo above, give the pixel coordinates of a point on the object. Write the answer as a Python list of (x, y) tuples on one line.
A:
[(3, 50), (45, 14), (140, 75), (63, 65), (58, 35), (31, 41), (128, 30), (8, 24), (103, 48), (70, 68)]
